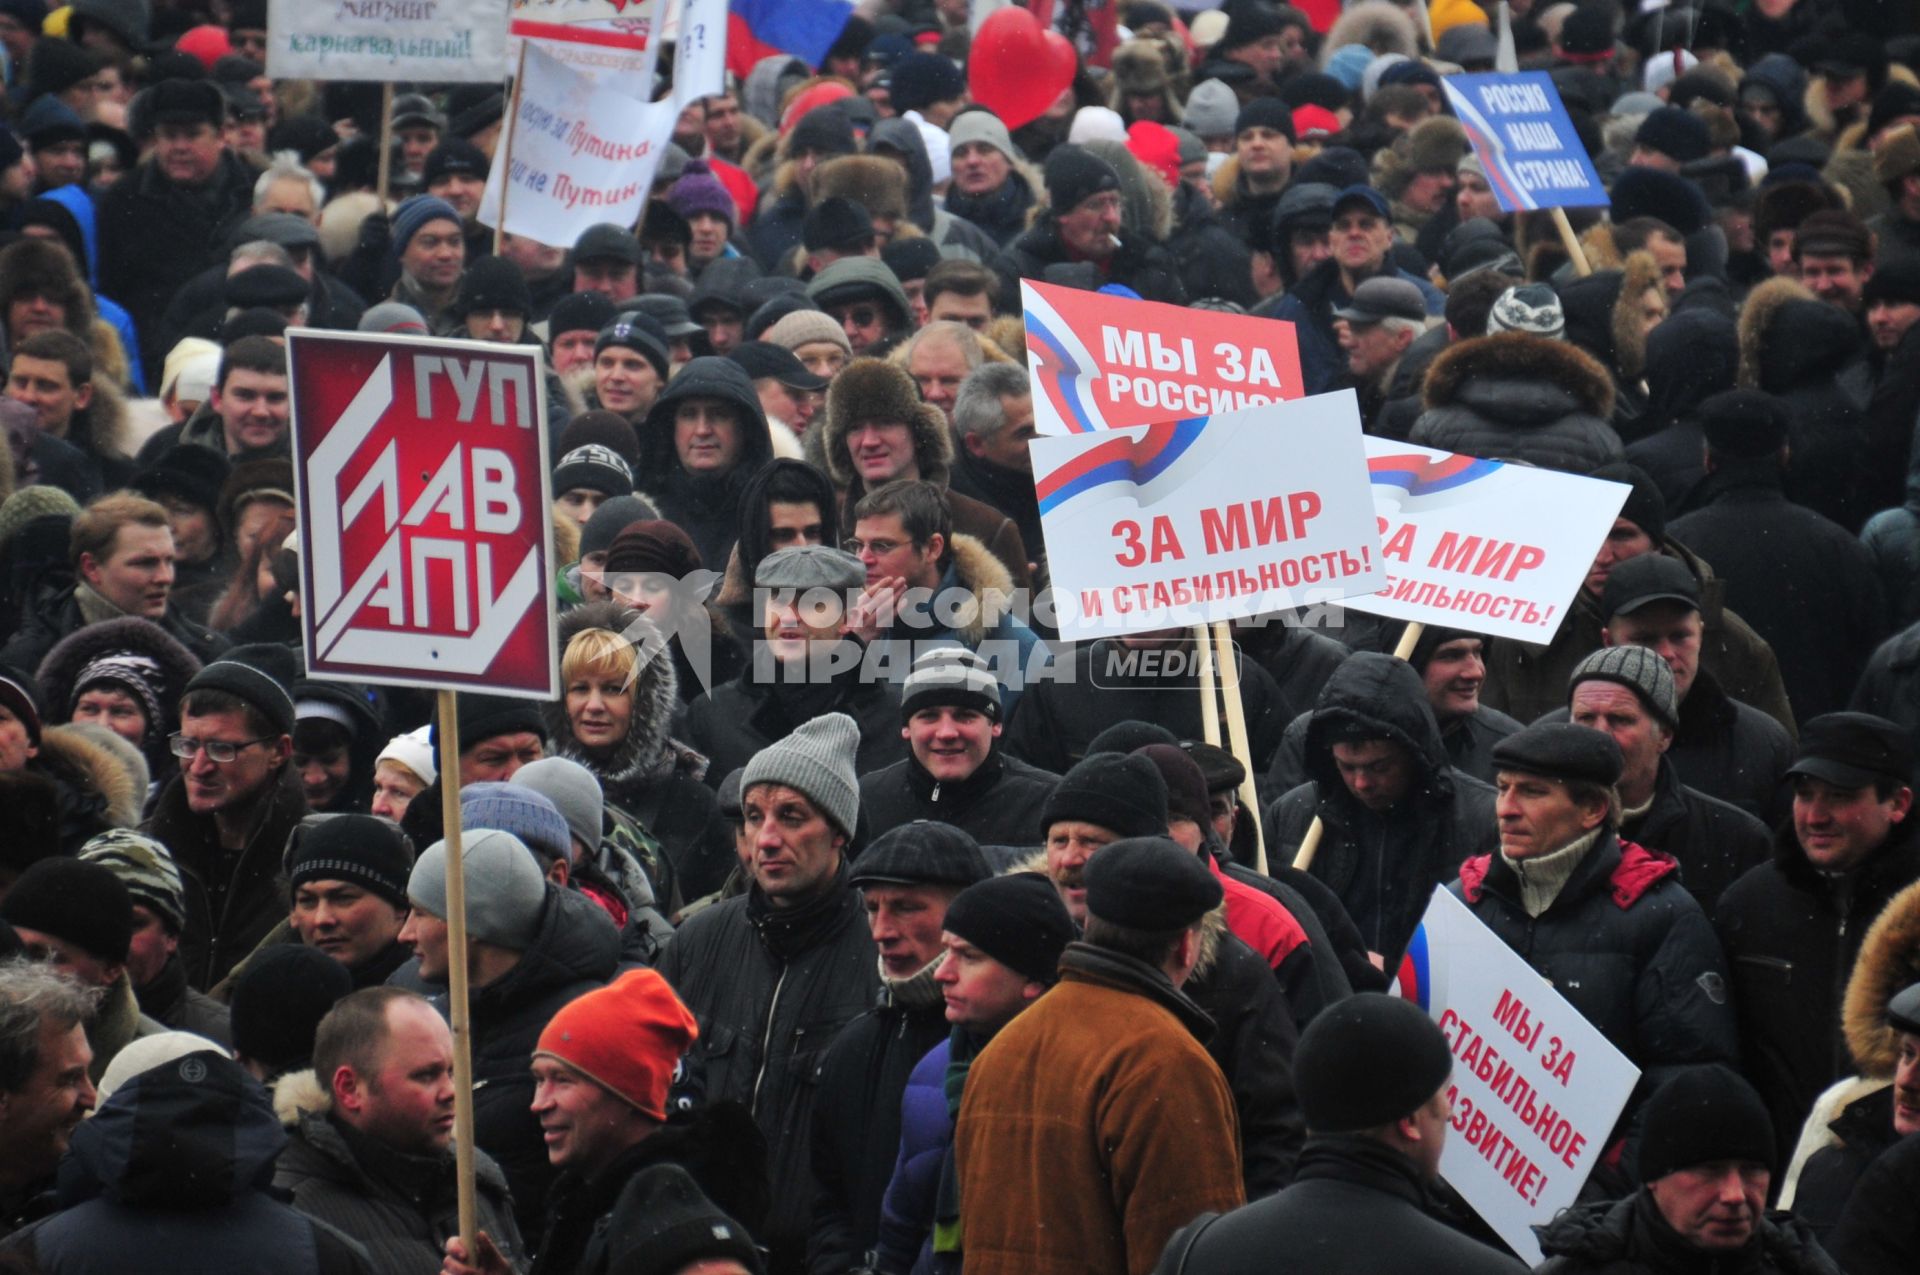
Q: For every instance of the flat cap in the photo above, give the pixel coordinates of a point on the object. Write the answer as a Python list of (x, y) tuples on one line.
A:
[(1150, 883), (810, 567), (921, 853), (1384, 297), (1561, 750)]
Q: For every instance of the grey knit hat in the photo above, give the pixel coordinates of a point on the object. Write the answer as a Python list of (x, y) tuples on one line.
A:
[(982, 126), (505, 888), (810, 567), (1533, 308), (950, 675), (146, 868), (1212, 108), (1640, 671), (804, 327), (611, 518), (573, 789), (817, 759)]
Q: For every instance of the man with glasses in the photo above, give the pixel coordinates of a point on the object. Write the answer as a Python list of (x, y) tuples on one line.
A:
[(229, 812), (1084, 226)]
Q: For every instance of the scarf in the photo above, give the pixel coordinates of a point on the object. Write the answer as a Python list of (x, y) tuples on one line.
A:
[(916, 991), (93, 607), (1541, 879), (963, 1046)]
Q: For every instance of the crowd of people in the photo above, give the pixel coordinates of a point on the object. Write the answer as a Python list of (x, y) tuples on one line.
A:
[(838, 916)]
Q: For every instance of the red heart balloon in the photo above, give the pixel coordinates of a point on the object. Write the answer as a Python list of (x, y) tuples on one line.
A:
[(1014, 67), (1065, 60)]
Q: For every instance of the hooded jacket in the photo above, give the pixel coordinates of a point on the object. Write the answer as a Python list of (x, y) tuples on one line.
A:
[(1792, 934), (1384, 866), (1626, 1237), (1516, 396), (956, 236), (1691, 356), (872, 390), (175, 666), (79, 205), (1631, 951), (1603, 319), (401, 1207), (705, 506), (1792, 347), (771, 989), (176, 1167)]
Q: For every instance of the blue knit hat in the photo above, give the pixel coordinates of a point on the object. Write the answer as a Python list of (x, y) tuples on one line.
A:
[(410, 216), (1349, 64), (526, 813)]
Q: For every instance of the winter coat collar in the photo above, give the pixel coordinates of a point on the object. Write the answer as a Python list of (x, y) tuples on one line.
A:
[(576, 942), (791, 932), (1631, 1233), (954, 794), (971, 568), (1889, 962), (1362, 1162), (1520, 379), (648, 753), (1621, 868), (1085, 963)]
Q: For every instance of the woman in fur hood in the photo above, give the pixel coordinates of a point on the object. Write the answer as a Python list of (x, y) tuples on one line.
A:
[(125, 675)]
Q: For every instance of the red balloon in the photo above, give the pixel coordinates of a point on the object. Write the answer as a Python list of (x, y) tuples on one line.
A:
[(1015, 69)]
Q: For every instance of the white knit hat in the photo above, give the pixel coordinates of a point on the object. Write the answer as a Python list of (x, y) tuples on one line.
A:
[(414, 750)]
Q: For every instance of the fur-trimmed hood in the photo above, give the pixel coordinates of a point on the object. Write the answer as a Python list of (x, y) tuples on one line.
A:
[(1757, 315), (1789, 339), (648, 751), (1382, 26), (1147, 210), (89, 756), (1889, 962), (174, 665), (300, 1093), (873, 389), (1518, 357), (989, 587)]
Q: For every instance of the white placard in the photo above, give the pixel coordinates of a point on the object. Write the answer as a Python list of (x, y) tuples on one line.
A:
[(438, 41)]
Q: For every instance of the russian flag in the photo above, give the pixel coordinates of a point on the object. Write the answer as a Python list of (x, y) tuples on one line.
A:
[(761, 28)]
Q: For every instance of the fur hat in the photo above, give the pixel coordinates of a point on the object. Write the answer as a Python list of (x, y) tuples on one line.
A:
[(874, 389), (878, 185)]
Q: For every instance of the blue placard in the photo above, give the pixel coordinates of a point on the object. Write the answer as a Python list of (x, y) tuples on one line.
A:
[(1525, 141)]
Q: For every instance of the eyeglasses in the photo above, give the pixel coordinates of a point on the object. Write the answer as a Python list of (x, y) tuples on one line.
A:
[(218, 751), (881, 548), (862, 316)]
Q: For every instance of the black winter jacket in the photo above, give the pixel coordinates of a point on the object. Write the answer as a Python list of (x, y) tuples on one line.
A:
[(1863, 1129), (1212, 260), (1714, 842), (57, 615), (1253, 1042), (1146, 267), (1629, 949), (705, 506), (1879, 1234), (999, 804), (1468, 740), (1890, 684), (736, 719), (1514, 397), (1629, 1237), (1356, 1208), (772, 989), (1791, 935), (856, 1125), (1384, 866)]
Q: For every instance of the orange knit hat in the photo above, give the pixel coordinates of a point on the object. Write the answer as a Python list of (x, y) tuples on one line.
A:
[(627, 1037)]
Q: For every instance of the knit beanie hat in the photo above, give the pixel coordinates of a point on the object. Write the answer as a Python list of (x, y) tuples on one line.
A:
[(279, 1000), (195, 474), (983, 127), (365, 850), (580, 312), (76, 902), (1702, 1115), (1248, 24), (1016, 919), (245, 682), (520, 810), (1265, 112), (1212, 109), (19, 696), (415, 213), (950, 675), (393, 318), (1155, 146), (1675, 133), (506, 891), (1096, 124), (1367, 1061), (1123, 794), (804, 327), (1075, 174), (656, 545), (40, 501), (672, 1227), (638, 332), (627, 1037), (1646, 508), (699, 191), (594, 468), (921, 79), (574, 791), (1150, 883), (483, 717), (610, 519), (414, 750), (1349, 63), (816, 758), (492, 283), (1637, 669), (146, 1053), (1130, 736), (146, 868), (1187, 796), (1533, 308)]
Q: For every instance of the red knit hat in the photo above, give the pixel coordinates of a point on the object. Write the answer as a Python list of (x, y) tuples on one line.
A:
[(627, 1037), (1155, 146)]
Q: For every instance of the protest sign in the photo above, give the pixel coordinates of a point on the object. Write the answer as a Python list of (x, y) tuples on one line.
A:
[(1102, 362), (1209, 518), (420, 471), (438, 41), (1536, 1088), (1482, 544), (1525, 141), (699, 50), (616, 41), (579, 154)]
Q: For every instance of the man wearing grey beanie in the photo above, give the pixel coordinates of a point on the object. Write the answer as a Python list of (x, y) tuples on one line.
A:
[(531, 947), (786, 965)]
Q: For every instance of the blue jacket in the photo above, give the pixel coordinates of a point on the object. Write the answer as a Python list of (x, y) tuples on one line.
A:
[(1310, 306), (926, 1140), (80, 204)]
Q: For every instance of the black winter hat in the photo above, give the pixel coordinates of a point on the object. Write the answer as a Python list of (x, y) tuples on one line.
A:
[(1150, 883), (911, 259), (1587, 33), (185, 102), (580, 312), (1187, 795), (638, 332), (493, 283), (193, 474), (1123, 794), (1130, 736), (1896, 280), (1561, 750), (1265, 112), (1704, 1114), (663, 1224), (921, 79), (594, 467), (921, 853), (824, 130), (1676, 133), (269, 286), (1646, 508), (1075, 174), (246, 682), (1315, 88), (1368, 1061), (279, 1000), (1853, 750), (365, 849), (1649, 577), (454, 155), (54, 66), (1653, 192), (484, 716), (1018, 920), (75, 901), (836, 223), (1744, 424), (1249, 24)]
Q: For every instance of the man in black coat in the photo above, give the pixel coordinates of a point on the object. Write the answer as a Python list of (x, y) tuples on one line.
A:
[(955, 771), (1082, 224), (1706, 1163), (1806, 585), (906, 878), (1372, 1075), (1792, 927)]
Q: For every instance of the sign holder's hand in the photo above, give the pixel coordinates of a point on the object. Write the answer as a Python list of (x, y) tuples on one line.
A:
[(487, 1259)]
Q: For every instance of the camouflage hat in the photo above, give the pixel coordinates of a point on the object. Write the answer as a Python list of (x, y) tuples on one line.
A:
[(146, 868)]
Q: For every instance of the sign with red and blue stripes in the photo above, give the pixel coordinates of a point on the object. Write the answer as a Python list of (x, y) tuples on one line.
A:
[(1521, 133)]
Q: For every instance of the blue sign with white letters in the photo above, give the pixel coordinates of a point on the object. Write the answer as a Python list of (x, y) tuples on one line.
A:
[(1525, 141)]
